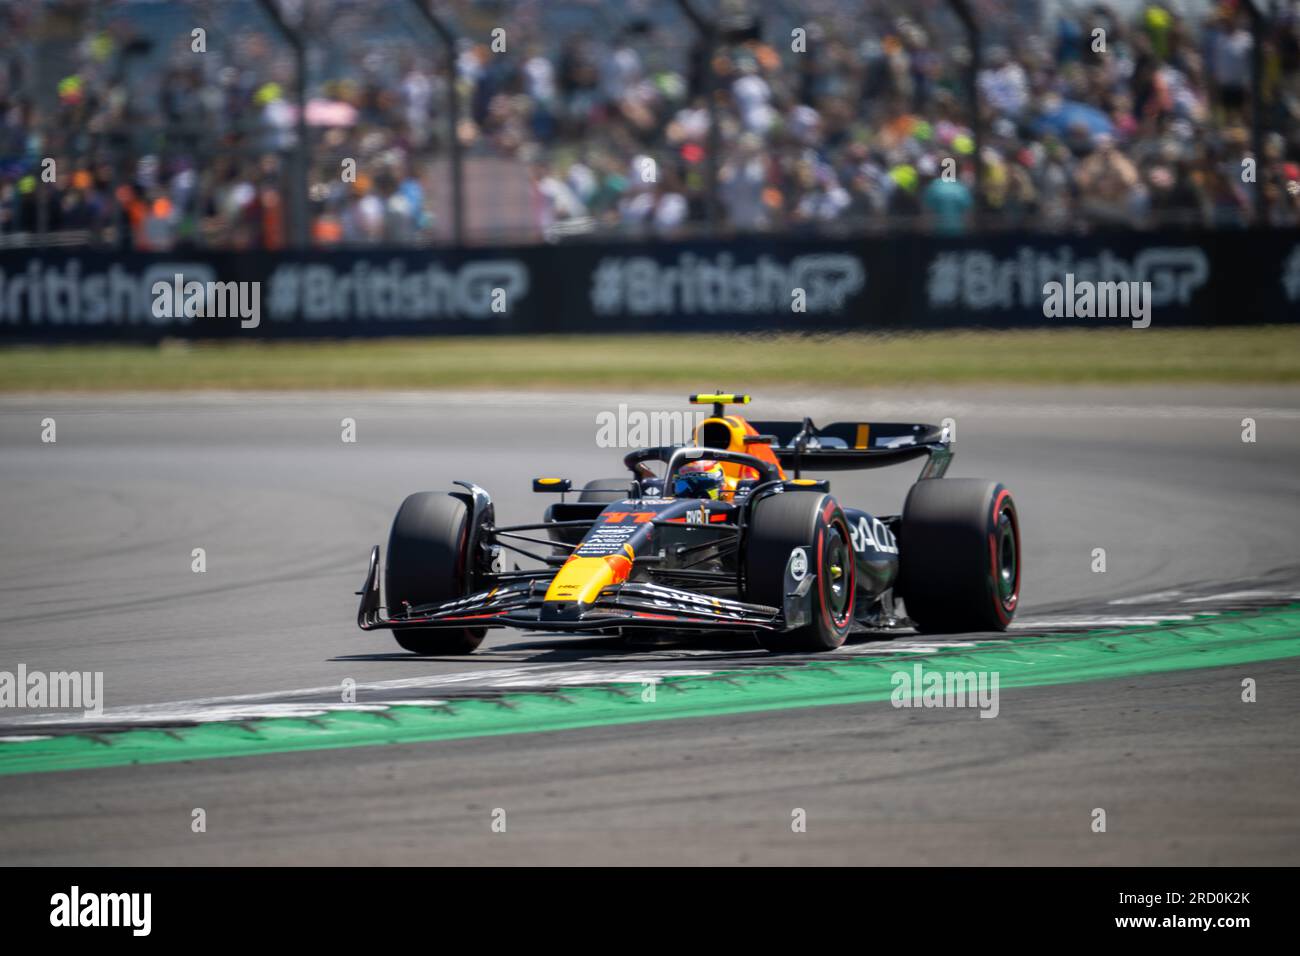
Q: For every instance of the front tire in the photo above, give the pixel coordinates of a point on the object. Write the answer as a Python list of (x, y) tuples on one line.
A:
[(959, 556), (800, 519), (428, 564)]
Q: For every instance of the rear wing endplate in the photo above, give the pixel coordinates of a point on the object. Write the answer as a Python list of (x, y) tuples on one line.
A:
[(849, 446)]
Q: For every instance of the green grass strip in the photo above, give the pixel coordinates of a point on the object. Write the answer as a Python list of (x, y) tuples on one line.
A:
[(1019, 662), (1256, 355)]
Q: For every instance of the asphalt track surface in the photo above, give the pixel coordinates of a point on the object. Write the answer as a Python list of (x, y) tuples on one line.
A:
[(96, 535)]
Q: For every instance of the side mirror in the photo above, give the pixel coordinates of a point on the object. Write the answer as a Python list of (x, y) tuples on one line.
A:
[(552, 484), (807, 484)]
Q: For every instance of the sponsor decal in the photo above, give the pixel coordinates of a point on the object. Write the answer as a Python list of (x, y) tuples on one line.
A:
[(798, 564), (874, 534), (675, 599), (978, 280), (628, 517), (68, 293), (367, 291), (72, 292), (606, 540), (700, 285)]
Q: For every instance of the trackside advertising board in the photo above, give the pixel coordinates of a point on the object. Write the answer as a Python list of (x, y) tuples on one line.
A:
[(1012, 280)]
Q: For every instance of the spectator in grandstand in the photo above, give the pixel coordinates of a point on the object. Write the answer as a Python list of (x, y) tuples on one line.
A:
[(854, 131)]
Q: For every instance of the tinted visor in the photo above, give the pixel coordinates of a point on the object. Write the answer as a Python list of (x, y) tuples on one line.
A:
[(694, 485)]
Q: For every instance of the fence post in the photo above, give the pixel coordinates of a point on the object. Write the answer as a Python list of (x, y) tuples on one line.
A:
[(448, 38), (301, 232), (708, 33), (1257, 107), (963, 11)]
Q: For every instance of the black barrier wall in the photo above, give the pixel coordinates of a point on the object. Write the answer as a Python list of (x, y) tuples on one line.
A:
[(912, 282)]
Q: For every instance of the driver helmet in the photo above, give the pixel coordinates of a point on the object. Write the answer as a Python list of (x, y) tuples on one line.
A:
[(699, 479)]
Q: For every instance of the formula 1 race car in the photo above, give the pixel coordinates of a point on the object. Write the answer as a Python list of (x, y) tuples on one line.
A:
[(711, 537)]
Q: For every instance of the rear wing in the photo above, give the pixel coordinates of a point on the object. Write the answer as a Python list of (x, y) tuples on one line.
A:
[(848, 446)]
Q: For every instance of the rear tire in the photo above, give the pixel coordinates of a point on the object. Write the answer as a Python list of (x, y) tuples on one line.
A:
[(959, 556), (798, 519), (427, 564), (605, 490)]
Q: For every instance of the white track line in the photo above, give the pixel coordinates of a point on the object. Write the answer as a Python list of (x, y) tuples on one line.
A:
[(1255, 595), (272, 704), (1099, 620), (380, 697), (1147, 598)]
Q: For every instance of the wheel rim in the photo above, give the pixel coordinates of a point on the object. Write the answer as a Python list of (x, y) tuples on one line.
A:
[(1008, 556), (839, 574)]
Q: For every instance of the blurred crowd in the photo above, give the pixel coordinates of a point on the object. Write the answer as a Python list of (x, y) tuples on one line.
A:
[(595, 118)]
